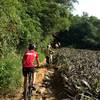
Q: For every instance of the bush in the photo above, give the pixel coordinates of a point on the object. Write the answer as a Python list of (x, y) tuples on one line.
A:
[(10, 74), (41, 55)]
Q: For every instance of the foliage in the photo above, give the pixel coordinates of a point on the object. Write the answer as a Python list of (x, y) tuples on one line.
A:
[(54, 19), (30, 20), (10, 74), (77, 75), (22, 21), (83, 33)]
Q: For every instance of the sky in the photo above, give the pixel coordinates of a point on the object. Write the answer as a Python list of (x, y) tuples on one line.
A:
[(92, 7)]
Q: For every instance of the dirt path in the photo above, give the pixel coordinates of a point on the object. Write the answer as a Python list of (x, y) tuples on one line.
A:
[(41, 93)]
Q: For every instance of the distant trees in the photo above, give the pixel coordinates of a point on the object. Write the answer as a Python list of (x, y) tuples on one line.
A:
[(84, 32)]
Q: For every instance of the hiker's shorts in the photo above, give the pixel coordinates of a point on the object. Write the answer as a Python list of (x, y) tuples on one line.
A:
[(26, 70)]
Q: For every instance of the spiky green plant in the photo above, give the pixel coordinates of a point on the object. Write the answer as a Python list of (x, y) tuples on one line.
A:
[(77, 74)]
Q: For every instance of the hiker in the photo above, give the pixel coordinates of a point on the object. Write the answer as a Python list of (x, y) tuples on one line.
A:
[(30, 56), (57, 45), (49, 56)]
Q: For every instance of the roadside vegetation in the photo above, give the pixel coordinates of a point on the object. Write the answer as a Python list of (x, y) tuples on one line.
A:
[(48, 22)]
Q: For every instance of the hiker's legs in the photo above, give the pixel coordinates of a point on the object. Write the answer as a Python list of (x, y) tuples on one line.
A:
[(25, 83), (34, 77)]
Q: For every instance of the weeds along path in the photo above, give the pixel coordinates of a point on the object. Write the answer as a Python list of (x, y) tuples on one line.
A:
[(41, 93)]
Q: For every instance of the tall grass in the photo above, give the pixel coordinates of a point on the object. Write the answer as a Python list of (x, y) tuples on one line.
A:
[(10, 73)]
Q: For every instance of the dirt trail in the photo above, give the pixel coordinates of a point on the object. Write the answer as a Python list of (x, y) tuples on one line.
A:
[(41, 93)]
